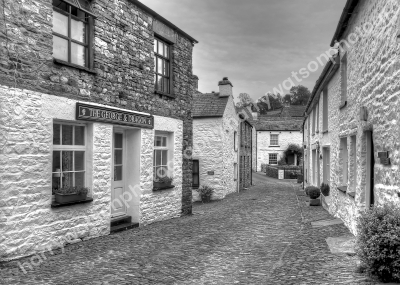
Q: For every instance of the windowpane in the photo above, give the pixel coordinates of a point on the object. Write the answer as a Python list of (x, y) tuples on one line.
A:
[(67, 134), (164, 141), (67, 160), (166, 52), (160, 83), (60, 23), (56, 162), (68, 179), (79, 160), (78, 31), (78, 54), (118, 156), (158, 141), (79, 135), (60, 4), (195, 166), (118, 173), (161, 48), (159, 65), (166, 68), (80, 179), (60, 48), (161, 172), (166, 85), (78, 13), (158, 154), (118, 140), (155, 45), (56, 134), (164, 157)]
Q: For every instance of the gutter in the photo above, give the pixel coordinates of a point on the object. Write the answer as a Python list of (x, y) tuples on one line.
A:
[(162, 19), (344, 19)]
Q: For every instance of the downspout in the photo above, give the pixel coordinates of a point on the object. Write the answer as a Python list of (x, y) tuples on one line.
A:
[(304, 178)]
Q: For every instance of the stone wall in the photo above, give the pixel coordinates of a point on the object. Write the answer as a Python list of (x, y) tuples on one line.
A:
[(123, 63), (372, 82), (264, 148)]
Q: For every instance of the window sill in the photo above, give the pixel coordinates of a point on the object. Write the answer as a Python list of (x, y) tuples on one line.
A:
[(164, 188), (164, 94), (352, 194), (195, 187), (344, 104), (342, 189), (58, 205), (274, 146), (74, 66)]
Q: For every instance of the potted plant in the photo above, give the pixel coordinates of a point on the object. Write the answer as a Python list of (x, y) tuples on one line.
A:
[(71, 194), (325, 189), (205, 193), (314, 194), (162, 182)]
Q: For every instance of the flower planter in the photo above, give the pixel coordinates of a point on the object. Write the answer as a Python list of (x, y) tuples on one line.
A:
[(68, 198), (206, 199), (315, 202), (160, 185)]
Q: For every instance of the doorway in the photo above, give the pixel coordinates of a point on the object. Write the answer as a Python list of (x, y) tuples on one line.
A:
[(370, 193), (118, 205)]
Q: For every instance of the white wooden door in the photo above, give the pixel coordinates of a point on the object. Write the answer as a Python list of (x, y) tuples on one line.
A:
[(118, 205)]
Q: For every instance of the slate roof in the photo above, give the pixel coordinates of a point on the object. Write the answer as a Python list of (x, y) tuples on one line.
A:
[(289, 118), (208, 105)]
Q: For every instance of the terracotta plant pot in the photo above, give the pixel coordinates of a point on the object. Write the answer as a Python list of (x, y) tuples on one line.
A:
[(315, 202), (68, 198)]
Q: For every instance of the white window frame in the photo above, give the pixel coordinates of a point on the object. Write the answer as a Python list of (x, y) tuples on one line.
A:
[(73, 148), (269, 158), (274, 140), (235, 141), (167, 148)]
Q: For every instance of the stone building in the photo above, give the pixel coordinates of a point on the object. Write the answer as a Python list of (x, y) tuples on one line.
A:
[(215, 141), (352, 128), (93, 94), (276, 130)]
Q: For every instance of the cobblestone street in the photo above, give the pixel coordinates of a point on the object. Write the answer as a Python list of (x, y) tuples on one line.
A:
[(255, 237)]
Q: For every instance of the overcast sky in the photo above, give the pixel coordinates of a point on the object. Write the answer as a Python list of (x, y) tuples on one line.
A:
[(256, 43)]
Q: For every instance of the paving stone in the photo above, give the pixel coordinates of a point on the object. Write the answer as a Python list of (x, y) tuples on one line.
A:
[(342, 245), (325, 223), (259, 236)]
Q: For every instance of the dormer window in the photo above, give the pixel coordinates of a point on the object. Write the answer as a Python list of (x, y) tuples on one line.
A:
[(72, 30)]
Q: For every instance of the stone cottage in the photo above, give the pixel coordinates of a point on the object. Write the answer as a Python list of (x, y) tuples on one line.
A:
[(215, 141), (352, 128), (276, 130), (93, 94)]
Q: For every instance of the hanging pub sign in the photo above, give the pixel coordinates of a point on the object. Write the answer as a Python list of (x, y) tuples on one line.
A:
[(107, 115)]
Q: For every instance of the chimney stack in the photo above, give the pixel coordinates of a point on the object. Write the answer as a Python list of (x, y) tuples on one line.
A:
[(195, 82), (225, 88)]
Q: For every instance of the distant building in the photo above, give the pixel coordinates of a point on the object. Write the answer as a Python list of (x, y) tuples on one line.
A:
[(275, 131), (215, 141)]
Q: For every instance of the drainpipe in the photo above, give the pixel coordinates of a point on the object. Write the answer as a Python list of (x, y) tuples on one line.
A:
[(304, 179)]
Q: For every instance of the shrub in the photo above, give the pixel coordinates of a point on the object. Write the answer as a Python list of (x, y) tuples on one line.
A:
[(313, 192), (325, 189), (165, 179), (378, 242), (205, 193)]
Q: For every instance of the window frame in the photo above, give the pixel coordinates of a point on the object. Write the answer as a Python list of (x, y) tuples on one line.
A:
[(88, 45), (169, 59), (269, 158), (271, 140), (235, 141), (160, 148), (71, 148), (194, 173)]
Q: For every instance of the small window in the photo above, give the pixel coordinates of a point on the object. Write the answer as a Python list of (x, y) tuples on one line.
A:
[(72, 29), (344, 161), (161, 156), (273, 158), (274, 139), (196, 174), (343, 71), (325, 110), (162, 67), (69, 156), (235, 141)]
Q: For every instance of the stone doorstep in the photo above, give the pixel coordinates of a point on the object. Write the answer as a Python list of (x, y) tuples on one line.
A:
[(326, 223), (122, 224), (342, 244)]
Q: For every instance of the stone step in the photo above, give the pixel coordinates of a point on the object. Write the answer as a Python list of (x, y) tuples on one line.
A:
[(123, 227), (121, 220)]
